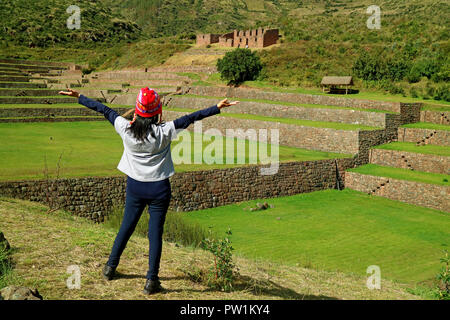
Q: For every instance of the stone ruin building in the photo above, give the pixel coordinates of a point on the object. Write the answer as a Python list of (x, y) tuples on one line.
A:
[(257, 38)]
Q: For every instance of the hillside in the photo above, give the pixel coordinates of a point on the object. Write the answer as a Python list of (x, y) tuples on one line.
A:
[(47, 244), (408, 56), (44, 24)]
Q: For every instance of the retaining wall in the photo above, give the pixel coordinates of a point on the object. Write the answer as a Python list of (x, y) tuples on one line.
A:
[(136, 75), (94, 198), (375, 119), (321, 139), (417, 193), (411, 160), (294, 97), (436, 137), (438, 117)]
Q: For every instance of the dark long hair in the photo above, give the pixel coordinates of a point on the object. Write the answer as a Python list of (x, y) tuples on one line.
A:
[(142, 126)]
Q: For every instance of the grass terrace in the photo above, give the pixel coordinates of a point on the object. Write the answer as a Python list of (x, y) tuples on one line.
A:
[(436, 107), (412, 147), (338, 231), (403, 174), (94, 149), (427, 125)]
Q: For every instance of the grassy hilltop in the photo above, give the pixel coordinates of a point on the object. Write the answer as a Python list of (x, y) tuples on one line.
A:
[(408, 56)]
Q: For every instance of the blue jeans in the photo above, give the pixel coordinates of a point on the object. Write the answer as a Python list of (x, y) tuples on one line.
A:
[(134, 206)]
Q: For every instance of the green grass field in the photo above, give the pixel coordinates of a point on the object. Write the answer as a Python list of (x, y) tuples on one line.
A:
[(403, 174), (90, 149), (337, 230), (412, 147), (427, 125)]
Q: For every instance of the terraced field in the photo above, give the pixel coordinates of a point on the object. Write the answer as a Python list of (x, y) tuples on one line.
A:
[(400, 151), (309, 129), (337, 230), (94, 149)]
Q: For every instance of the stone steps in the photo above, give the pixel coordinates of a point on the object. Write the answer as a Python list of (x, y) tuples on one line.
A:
[(411, 160), (436, 117), (404, 160), (422, 136), (428, 195)]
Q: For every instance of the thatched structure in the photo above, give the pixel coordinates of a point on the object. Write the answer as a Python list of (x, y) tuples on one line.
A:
[(333, 84)]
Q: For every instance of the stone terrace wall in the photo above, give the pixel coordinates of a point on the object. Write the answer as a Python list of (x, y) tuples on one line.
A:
[(369, 139), (411, 160), (50, 119), (410, 112), (38, 63), (52, 112), (439, 137), (375, 119), (421, 194), (321, 139), (294, 97), (94, 198), (438, 117), (136, 75)]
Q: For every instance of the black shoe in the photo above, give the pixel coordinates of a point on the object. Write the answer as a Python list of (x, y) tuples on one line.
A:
[(108, 272), (152, 286)]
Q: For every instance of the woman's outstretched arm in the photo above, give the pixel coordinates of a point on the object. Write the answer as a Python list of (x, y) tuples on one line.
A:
[(185, 121), (109, 113)]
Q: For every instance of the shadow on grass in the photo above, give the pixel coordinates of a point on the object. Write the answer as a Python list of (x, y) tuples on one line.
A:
[(266, 287), (119, 275), (253, 286)]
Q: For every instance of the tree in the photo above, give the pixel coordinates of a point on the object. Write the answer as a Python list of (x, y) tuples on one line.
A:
[(239, 65)]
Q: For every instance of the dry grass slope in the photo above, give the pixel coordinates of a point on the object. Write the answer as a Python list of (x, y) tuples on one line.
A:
[(45, 245)]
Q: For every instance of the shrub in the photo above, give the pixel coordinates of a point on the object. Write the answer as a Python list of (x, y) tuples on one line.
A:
[(443, 277), (442, 93), (222, 272), (239, 65), (414, 75)]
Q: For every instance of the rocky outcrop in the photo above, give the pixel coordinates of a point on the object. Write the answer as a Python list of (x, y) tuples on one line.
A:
[(19, 293)]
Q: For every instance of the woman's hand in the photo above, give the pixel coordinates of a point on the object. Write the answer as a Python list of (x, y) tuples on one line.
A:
[(225, 103), (70, 93)]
